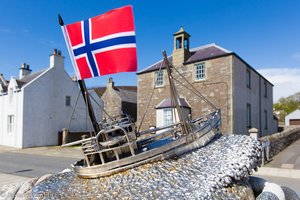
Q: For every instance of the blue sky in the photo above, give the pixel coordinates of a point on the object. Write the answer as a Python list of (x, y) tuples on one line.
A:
[(265, 33)]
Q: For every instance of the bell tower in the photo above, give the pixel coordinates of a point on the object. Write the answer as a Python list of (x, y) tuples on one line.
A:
[(181, 50)]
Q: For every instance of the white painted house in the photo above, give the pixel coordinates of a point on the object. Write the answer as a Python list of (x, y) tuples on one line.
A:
[(293, 118), (34, 107)]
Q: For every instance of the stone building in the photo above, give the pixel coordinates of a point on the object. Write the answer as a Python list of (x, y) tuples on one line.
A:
[(230, 83), (118, 99), (37, 105)]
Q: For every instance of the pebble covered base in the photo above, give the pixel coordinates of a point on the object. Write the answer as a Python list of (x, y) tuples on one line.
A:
[(218, 170)]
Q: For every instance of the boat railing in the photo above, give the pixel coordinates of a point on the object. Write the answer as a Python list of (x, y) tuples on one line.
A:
[(204, 118), (154, 130), (119, 119)]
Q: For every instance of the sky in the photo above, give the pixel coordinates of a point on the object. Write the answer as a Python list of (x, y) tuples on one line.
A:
[(265, 33)]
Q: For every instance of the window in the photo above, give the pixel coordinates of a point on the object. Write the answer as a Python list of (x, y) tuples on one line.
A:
[(248, 78), (159, 78), (248, 115), (178, 43), (10, 123), (68, 100), (266, 119), (200, 71), (186, 43), (168, 116), (10, 94), (266, 89)]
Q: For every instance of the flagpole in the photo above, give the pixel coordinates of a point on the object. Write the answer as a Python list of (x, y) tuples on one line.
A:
[(81, 83)]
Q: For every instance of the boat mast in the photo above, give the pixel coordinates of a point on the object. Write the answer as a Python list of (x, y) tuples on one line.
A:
[(85, 95), (89, 105), (174, 96)]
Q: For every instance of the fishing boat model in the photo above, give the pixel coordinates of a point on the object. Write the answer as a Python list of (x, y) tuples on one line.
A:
[(117, 145)]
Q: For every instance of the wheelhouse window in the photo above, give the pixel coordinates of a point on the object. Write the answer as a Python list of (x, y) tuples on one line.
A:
[(168, 116), (248, 115), (159, 79), (200, 71), (248, 78), (68, 100), (10, 123)]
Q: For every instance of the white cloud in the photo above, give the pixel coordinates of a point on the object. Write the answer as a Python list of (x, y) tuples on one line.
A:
[(286, 80)]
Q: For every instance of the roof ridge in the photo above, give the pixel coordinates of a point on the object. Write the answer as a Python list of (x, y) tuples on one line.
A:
[(154, 64), (210, 45)]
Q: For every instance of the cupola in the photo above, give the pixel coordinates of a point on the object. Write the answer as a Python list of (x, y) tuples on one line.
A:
[(181, 50)]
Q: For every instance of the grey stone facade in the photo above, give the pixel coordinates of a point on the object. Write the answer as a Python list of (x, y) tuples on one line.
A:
[(119, 100), (224, 84)]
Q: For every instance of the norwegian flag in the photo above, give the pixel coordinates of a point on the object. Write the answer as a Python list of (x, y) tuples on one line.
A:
[(103, 45)]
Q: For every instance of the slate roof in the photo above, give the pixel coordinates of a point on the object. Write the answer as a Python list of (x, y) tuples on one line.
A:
[(23, 81), (4, 83), (197, 54), (166, 103), (201, 53), (127, 93)]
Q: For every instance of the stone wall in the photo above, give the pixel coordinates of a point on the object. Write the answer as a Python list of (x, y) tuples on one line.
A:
[(112, 101), (215, 87), (280, 141)]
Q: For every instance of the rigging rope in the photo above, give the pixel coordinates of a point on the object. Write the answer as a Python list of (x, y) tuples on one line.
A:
[(99, 105), (73, 110), (149, 100), (195, 90)]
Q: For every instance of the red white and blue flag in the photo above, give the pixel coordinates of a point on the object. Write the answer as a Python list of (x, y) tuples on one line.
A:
[(103, 45)]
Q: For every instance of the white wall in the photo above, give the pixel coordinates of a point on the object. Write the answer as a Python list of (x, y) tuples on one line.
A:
[(292, 115), (160, 116), (45, 112), (14, 108)]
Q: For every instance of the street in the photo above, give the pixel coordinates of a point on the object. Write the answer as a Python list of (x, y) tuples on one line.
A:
[(29, 165)]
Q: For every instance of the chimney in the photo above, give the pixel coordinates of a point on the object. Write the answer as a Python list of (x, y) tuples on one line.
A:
[(24, 70), (56, 59), (110, 84), (74, 78), (3, 81)]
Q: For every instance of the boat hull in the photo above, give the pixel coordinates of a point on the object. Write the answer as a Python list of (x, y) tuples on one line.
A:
[(175, 148)]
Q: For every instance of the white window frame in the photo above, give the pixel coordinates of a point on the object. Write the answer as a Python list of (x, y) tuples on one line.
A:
[(168, 116), (159, 78), (200, 71), (10, 123)]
